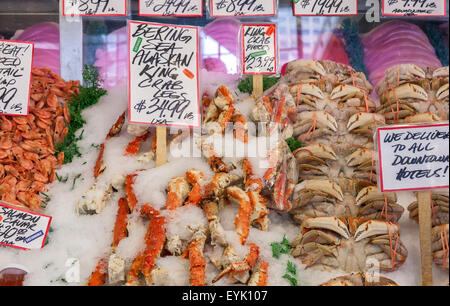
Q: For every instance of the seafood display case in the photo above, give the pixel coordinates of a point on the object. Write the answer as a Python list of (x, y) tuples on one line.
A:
[(279, 185)]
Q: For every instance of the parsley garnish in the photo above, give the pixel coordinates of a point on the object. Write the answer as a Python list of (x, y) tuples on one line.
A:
[(294, 144), (89, 95)]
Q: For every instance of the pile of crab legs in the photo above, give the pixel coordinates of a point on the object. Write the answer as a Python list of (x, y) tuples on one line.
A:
[(27, 143), (192, 189)]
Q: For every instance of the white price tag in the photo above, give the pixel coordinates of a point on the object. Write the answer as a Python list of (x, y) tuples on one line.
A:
[(94, 7), (181, 8), (163, 74), (22, 229), (325, 7), (16, 59), (427, 8), (229, 8), (413, 157), (259, 49)]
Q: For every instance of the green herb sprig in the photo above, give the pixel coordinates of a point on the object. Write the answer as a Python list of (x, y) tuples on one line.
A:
[(89, 94)]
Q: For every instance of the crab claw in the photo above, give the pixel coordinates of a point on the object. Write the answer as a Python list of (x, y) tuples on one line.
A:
[(323, 119), (326, 186), (442, 92), (314, 151), (360, 156), (309, 89), (440, 72), (330, 223), (371, 193), (406, 91), (306, 64), (345, 90), (375, 228), (423, 117), (364, 119)]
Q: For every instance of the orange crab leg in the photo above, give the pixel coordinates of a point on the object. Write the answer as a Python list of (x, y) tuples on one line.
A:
[(98, 277), (242, 221), (117, 127), (262, 273), (195, 178), (131, 197), (133, 273), (239, 267), (197, 262), (133, 147), (120, 226), (154, 240), (99, 163)]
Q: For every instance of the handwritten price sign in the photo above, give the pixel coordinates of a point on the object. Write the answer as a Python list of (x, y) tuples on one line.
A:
[(325, 7), (22, 229), (163, 85), (229, 8), (413, 157), (430, 8), (185, 8), (259, 49), (16, 59), (94, 7)]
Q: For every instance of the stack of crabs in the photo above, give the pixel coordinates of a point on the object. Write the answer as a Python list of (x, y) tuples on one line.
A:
[(410, 94), (345, 222)]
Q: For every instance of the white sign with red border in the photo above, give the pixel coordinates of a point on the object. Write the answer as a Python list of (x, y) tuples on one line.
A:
[(325, 7), (163, 74), (94, 7), (22, 229), (176, 8), (16, 60), (418, 8), (413, 157), (244, 8), (259, 49)]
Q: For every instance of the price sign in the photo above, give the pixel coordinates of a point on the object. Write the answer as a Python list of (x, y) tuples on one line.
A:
[(94, 7), (184, 8), (413, 157), (429, 8), (163, 74), (16, 59), (229, 8), (325, 7), (259, 49), (22, 229)]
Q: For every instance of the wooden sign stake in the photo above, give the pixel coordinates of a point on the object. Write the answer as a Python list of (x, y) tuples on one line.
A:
[(257, 86), (161, 146), (424, 200)]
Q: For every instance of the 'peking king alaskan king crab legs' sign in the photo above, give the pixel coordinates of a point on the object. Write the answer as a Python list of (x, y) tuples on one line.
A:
[(163, 74)]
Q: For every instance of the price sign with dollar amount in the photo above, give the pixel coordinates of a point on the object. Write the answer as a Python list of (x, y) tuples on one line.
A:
[(325, 7), (16, 59), (163, 74), (174, 8), (418, 8), (244, 8), (94, 7), (259, 49)]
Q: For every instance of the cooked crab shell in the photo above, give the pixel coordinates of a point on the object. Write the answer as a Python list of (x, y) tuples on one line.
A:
[(356, 244)]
